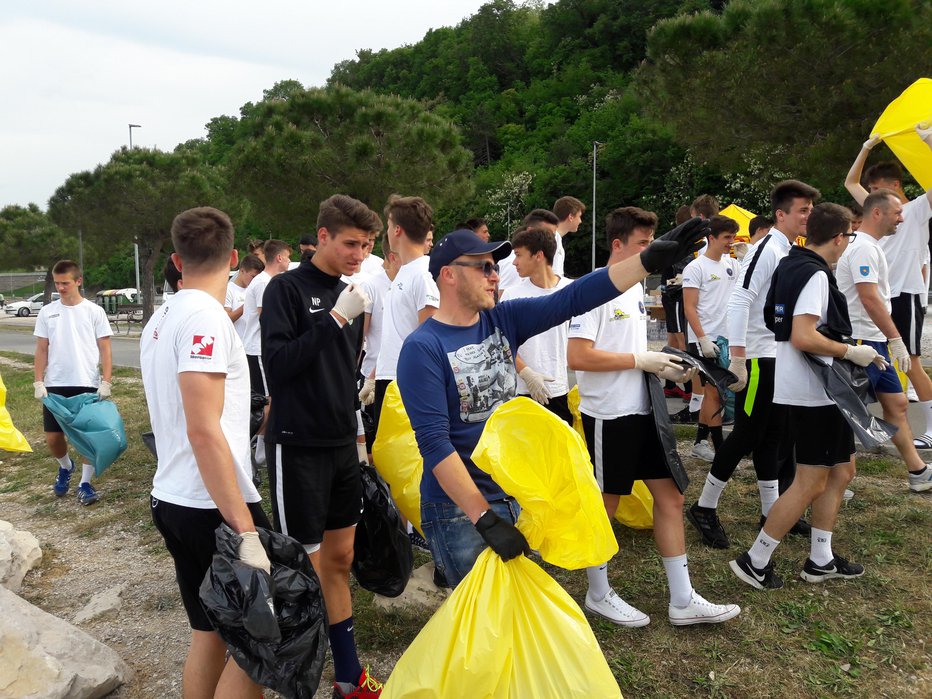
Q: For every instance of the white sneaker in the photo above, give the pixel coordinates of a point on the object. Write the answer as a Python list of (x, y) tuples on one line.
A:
[(703, 451), (259, 456), (921, 482), (700, 611), (616, 610)]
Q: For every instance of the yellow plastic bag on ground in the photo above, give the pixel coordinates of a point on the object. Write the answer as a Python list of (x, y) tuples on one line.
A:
[(535, 457), (11, 439), (396, 456), (635, 510), (897, 127), (508, 631)]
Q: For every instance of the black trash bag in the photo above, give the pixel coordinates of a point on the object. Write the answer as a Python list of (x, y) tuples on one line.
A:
[(709, 367), (849, 386), (384, 558), (275, 626), (257, 405), (658, 408)]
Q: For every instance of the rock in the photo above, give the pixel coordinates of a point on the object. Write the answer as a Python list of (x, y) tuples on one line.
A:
[(44, 657), (420, 592), (19, 553), (101, 603)]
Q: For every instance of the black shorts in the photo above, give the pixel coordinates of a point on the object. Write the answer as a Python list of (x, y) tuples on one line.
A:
[(257, 375), (674, 312), (624, 450), (314, 489), (381, 385), (49, 423), (908, 315), (189, 534), (823, 436)]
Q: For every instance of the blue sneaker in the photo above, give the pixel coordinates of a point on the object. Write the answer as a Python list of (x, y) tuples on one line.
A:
[(63, 482), (86, 494)]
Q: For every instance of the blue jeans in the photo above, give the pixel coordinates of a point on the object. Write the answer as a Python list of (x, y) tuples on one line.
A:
[(454, 542)]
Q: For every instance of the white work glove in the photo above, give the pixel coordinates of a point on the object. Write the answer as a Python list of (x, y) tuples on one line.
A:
[(737, 367), (708, 348), (104, 390), (40, 392), (862, 355), (683, 374), (351, 302), (740, 249), (899, 353), (655, 362), (367, 394), (252, 553), (924, 131), (870, 143), (536, 384)]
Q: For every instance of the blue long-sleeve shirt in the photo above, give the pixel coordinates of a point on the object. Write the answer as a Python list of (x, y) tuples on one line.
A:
[(451, 378)]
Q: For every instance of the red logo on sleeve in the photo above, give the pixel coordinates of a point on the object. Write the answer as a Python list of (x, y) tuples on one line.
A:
[(203, 346)]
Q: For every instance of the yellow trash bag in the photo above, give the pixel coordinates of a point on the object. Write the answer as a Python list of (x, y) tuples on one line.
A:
[(508, 631), (536, 458), (897, 127), (635, 510), (396, 456), (11, 439)]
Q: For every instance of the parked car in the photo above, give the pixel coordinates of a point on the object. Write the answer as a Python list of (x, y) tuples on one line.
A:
[(28, 307)]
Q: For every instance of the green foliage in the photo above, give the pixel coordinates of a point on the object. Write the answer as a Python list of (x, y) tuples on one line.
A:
[(32, 239)]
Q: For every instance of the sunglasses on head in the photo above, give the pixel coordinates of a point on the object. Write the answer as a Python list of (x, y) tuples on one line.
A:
[(487, 267)]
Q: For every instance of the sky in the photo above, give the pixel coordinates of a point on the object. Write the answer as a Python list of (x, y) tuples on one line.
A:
[(75, 74)]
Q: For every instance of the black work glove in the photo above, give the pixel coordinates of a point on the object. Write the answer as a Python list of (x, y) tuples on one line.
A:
[(502, 536), (674, 245)]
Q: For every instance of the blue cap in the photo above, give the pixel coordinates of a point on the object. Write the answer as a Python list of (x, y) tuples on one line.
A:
[(464, 242)]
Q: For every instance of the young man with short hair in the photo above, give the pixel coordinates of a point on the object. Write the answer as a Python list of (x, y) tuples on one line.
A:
[(707, 284), (671, 298), (541, 361), (72, 340), (249, 267), (311, 341), (537, 218), (809, 315), (569, 212), (608, 349), (196, 381), (864, 278)]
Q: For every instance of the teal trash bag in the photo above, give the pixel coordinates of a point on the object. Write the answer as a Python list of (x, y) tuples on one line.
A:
[(93, 427), (724, 361)]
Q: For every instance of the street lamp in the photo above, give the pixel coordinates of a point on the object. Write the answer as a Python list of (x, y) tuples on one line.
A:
[(131, 127), (595, 155)]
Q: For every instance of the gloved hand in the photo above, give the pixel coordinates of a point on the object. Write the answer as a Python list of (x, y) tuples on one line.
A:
[(655, 362), (708, 348), (924, 131), (737, 367), (683, 374), (536, 384), (104, 390), (740, 249), (351, 302), (676, 281), (862, 355), (674, 245), (870, 143), (899, 353), (367, 394), (252, 553), (40, 391), (502, 536)]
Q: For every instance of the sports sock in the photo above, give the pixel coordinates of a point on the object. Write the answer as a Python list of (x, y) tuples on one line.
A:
[(711, 492), (702, 431), (260, 443), (927, 407), (64, 461), (669, 385), (87, 472), (762, 550), (695, 402), (716, 434), (769, 492), (598, 581), (677, 570), (346, 667), (820, 547), (920, 471)]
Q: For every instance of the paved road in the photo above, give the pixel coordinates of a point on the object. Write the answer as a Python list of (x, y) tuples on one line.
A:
[(20, 339)]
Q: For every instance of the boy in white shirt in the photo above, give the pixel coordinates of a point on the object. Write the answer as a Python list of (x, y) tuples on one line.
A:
[(72, 339), (608, 350), (707, 284), (249, 267)]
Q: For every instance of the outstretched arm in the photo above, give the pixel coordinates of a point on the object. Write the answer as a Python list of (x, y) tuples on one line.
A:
[(853, 180)]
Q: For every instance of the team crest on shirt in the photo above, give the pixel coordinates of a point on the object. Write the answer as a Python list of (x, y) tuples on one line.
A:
[(865, 270), (619, 315), (202, 347), (730, 272), (715, 278)]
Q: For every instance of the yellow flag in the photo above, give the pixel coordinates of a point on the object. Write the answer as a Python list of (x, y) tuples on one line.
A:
[(897, 127)]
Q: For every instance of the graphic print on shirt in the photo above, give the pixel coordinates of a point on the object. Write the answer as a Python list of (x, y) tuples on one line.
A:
[(202, 347), (485, 376)]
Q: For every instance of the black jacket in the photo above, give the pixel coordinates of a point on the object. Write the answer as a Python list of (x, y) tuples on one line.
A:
[(310, 362)]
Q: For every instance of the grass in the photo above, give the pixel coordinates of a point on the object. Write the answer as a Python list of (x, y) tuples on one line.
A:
[(867, 637)]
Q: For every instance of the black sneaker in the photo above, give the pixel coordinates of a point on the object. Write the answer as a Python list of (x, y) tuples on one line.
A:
[(707, 523), (685, 417), (440, 580), (761, 578), (838, 567), (801, 528), (418, 541)]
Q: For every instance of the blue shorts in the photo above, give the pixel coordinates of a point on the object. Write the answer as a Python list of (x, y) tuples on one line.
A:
[(886, 380)]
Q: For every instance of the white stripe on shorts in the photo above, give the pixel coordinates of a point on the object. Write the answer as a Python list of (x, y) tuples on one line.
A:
[(279, 490), (597, 451), (265, 384)]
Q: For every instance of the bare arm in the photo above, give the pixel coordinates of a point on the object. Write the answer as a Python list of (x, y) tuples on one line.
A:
[(234, 315), (627, 273), (456, 482), (106, 358), (853, 179), (581, 355), (42, 358), (691, 309), (425, 313), (876, 309), (806, 338)]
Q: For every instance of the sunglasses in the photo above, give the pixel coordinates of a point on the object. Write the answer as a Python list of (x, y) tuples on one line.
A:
[(849, 236), (488, 268)]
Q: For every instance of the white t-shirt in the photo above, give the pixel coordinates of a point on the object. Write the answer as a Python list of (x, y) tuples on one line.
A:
[(507, 274), (907, 248), (617, 326), (372, 265), (412, 290), (559, 259), (376, 287), (863, 262), (192, 333), (715, 281), (545, 353), (252, 339), (794, 381), (236, 295), (72, 332)]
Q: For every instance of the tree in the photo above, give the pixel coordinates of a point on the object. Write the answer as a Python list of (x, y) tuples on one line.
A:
[(33, 240)]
